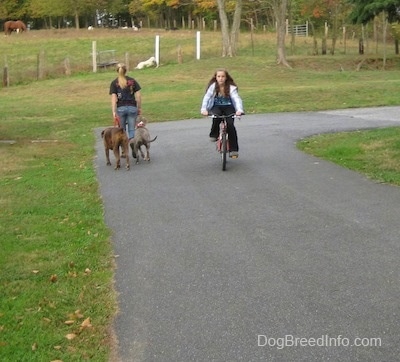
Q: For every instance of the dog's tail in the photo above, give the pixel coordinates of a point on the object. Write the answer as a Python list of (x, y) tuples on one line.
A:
[(153, 139)]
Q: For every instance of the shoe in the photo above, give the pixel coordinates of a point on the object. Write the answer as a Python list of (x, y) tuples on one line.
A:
[(213, 139), (234, 154)]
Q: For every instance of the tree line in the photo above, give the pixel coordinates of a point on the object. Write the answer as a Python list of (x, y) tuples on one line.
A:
[(183, 13), (231, 15)]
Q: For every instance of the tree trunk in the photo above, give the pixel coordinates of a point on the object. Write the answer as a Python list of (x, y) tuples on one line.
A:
[(280, 7), (237, 16), (226, 46), (229, 39), (76, 20)]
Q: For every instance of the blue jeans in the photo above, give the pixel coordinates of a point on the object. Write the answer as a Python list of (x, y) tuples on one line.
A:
[(127, 117)]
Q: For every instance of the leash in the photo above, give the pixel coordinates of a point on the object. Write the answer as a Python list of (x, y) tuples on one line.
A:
[(117, 122)]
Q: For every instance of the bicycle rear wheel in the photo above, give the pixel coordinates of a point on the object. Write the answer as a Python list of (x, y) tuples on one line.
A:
[(224, 151)]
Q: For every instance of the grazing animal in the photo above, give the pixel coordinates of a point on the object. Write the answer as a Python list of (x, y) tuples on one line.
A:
[(147, 63), (10, 26), (114, 139), (142, 138)]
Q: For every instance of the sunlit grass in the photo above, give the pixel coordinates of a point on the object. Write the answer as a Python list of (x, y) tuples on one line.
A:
[(56, 250), (375, 153)]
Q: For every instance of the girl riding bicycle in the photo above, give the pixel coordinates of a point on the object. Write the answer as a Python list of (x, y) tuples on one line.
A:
[(222, 98)]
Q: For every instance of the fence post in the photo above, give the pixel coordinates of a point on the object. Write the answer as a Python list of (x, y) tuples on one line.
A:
[(40, 65), (157, 50), (180, 57), (6, 77), (94, 56), (127, 61), (67, 66), (198, 45)]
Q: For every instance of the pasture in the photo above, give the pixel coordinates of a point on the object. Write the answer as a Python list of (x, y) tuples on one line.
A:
[(58, 299)]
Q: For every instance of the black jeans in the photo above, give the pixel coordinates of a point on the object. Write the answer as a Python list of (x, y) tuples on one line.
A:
[(231, 129)]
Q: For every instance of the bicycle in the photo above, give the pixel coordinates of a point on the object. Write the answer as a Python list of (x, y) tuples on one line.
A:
[(222, 143)]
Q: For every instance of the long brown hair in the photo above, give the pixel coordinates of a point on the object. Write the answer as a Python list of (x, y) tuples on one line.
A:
[(228, 82)]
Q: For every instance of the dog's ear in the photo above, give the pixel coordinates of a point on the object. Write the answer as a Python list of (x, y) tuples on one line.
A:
[(141, 119)]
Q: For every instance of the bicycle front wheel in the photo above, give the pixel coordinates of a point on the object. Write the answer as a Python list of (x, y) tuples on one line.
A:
[(224, 150)]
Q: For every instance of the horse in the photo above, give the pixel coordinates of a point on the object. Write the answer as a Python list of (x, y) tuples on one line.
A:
[(11, 25)]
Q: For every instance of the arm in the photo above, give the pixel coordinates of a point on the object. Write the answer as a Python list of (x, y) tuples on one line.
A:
[(114, 104), (208, 99), (237, 101), (138, 98)]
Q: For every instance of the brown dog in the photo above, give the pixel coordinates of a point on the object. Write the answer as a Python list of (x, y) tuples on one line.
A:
[(142, 138), (114, 139)]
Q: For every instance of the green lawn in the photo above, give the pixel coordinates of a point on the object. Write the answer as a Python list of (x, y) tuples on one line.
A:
[(57, 259)]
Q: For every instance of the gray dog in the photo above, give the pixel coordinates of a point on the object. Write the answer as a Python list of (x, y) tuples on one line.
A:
[(142, 138)]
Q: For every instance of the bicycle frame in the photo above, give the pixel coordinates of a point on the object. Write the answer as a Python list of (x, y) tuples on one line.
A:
[(222, 144)]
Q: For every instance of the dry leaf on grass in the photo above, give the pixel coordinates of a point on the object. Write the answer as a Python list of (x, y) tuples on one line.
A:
[(86, 323), (53, 278), (78, 313), (70, 336), (69, 322)]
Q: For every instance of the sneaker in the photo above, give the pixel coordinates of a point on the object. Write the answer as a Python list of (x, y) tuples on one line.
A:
[(234, 154), (213, 139)]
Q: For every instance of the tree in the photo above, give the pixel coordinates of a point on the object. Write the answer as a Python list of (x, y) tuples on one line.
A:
[(280, 9), (229, 37), (47, 9), (366, 10), (12, 9)]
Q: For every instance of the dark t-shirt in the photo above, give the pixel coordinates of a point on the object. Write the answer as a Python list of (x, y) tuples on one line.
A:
[(125, 96)]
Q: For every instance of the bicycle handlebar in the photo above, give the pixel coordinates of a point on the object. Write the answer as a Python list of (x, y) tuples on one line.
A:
[(233, 115)]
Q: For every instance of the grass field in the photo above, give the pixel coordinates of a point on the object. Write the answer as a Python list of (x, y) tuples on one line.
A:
[(57, 297)]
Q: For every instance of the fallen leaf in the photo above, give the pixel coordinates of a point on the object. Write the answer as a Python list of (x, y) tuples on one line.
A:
[(57, 360), (69, 322), (34, 346), (48, 320), (87, 271), (86, 323), (78, 314), (57, 347), (70, 336), (35, 271), (53, 278)]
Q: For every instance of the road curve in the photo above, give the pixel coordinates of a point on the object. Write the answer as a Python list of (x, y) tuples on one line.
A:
[(282, 257)]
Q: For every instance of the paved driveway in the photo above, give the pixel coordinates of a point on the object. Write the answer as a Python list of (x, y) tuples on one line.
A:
[(283, 257)]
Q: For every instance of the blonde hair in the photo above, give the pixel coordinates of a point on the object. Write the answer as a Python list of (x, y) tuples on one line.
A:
[(121, 69)]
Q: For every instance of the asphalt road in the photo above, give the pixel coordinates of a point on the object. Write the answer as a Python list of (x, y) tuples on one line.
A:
[(282, 257)]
